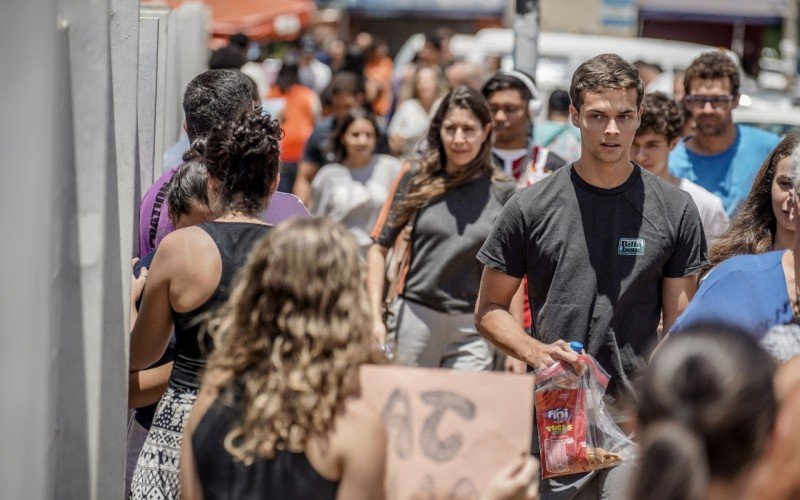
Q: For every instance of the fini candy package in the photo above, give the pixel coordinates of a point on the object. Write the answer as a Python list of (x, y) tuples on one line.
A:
[(576, 434)]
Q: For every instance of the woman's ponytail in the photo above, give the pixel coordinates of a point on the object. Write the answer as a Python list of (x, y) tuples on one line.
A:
[(673, 464)]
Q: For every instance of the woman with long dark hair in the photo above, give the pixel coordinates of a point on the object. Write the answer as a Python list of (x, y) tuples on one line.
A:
[(759, 292), (419, 99), (352, 189), (762, 223), (451, 195), (191, 274), (279, 415)]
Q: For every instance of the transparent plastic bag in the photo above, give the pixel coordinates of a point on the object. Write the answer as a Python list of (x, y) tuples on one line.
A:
[(576, 433)]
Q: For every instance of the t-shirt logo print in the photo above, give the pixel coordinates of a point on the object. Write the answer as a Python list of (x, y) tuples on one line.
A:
[(630, 246)]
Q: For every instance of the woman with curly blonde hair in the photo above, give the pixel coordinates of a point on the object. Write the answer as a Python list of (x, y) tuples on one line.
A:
[(279, 414)]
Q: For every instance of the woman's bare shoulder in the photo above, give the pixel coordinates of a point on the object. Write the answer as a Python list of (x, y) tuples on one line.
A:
[(360, 419), (191, 242)]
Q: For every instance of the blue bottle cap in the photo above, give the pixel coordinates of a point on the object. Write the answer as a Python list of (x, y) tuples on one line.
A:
[(576, 346)]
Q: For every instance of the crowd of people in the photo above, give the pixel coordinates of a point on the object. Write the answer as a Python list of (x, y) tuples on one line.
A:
[(453, 229)]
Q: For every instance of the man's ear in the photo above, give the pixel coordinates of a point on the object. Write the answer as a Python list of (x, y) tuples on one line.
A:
[(574, 115), (735, 102), (185, 126), (674, 142)]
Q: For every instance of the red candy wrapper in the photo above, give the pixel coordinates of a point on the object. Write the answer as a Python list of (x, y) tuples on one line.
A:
[(576, 434)]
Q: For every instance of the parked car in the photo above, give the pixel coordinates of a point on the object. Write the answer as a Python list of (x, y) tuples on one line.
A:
[(777, 120)]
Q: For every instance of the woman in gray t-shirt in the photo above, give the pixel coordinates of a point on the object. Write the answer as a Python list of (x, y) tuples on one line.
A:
[(452, 194), (353, 189)]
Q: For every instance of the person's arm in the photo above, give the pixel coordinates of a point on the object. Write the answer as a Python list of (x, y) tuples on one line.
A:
[(362, 444), (395, 130), (376, 280), (153, 326), (376, 260), (306, 171), (517, 310), (681, 270), (190, 481), (676, 294), (137, 287), (147, 386), (517, 481), (496, 324)]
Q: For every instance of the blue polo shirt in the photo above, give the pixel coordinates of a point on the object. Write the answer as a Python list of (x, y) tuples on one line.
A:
[(729, 174)]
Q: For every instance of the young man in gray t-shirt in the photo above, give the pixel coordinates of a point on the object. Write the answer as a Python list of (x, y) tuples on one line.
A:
[(607, 248)]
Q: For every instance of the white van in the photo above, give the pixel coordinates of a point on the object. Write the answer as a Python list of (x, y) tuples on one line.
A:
[(561, 53)]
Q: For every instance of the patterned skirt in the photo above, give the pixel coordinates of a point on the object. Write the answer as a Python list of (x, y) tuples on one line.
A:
[(157, 473)]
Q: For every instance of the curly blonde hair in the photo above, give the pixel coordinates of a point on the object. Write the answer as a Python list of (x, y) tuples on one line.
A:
[(291, 338)]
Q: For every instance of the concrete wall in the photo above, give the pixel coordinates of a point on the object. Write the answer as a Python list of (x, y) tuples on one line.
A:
[(577, 16), (606, 17), (68, 136)]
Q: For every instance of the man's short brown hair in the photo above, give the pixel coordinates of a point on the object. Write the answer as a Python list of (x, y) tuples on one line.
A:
[(604, 72), (661, 115), (717, 64)]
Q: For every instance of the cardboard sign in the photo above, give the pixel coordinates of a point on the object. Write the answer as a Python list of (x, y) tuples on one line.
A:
[(284, 206), (449, 432)]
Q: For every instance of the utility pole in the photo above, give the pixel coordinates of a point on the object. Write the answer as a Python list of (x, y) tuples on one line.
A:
[(788, 43), (526, 36)]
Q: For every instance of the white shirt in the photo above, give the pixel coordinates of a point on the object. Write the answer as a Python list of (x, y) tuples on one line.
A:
[(509, 156), (712, 212), (354, 197), (410, 122)]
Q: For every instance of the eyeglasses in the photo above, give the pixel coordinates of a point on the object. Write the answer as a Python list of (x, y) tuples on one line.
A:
[(717, 102), (507, 110)]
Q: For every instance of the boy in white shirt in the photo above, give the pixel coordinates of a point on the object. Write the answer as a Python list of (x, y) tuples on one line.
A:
[(659, 133)]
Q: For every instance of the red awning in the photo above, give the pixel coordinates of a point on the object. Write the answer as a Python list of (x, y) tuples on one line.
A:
[(258, 19)]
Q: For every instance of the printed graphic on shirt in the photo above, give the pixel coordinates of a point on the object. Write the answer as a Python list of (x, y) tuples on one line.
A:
[(630, 246)]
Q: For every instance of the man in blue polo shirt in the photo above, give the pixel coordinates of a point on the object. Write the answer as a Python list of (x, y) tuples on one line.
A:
[(721, 157)]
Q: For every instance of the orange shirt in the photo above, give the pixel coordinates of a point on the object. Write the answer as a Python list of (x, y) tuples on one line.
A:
[(297, 120), (380, 71)]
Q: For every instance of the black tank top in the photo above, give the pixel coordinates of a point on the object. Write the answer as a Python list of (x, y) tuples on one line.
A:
[(234, 241), (286, 476)]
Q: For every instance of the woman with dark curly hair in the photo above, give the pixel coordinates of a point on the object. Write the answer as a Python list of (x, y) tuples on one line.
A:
[(279, 415), (762, 223), (452, 196), (191, 275)]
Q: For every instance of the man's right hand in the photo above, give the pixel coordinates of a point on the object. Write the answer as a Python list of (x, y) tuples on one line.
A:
[(544, 355)]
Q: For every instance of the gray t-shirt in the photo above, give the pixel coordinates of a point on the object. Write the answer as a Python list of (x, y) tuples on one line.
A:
[(444, 274), (595, 259), (354, 196)]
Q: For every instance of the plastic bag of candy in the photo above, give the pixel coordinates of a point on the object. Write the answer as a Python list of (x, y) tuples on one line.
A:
[(576, 433)]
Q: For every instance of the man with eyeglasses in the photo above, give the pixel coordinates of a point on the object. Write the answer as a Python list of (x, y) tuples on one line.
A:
[(513, 101), (722, 157)]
